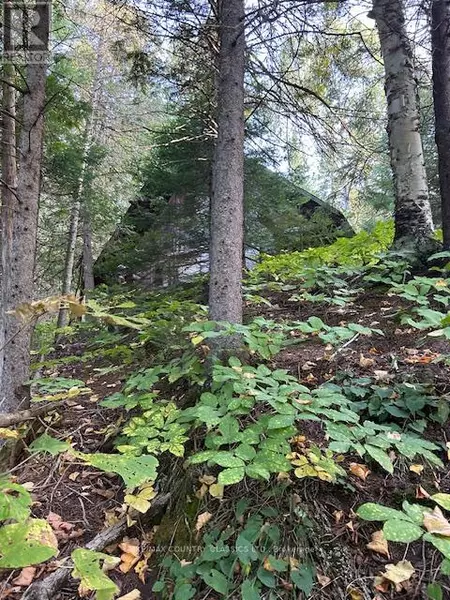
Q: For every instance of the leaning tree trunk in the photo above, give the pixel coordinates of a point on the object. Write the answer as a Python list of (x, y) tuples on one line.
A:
[(440, 39), (87, 259), (225, 294), (413, 220), (8, 194), (19, 233)]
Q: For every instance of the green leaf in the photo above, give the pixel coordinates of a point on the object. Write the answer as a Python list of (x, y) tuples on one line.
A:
[(25, 544), (185, 591), (442, 499), (229, 428), (401, 531), (245, 549), (46, 443), (15, 501), (246, 452), (159, 586), (280, 421), (441, 543), (377, 512), (217, 581), (231, 476), (380, 457), (134, 470), (303, 578), (249, 591), (266, 578), (226, 459), (415, 512), (87, 568), (201, 457), (257, 471), (434, 592), (277, 564), (445, 567)]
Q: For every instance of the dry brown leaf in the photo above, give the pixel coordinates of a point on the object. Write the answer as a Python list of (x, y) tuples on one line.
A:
[(416, 469), (202, 520), (127, 562), (353, 594), (130, 546), (200, 493), (366, 363), (338, 514), (74, 476), (383, 376), (323, 580), (435, 522), (402, 571), (361, 471), (25, 577), (379, 543), (207, 479), (421, 493), (133, 595)]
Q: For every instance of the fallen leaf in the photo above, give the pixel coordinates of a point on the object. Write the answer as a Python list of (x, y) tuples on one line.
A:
[(63, 530), (416, 469), (353, 594), (361, 471), (207, 479), (421, 493), (366, 363), (383, 376), (25, 576), (130, 554), (338, 514), (73, 476), (202, 520), (308, 366), (402, 571), (379, 543), (216, 490), (435, 522), (323, 580), (133, 595)]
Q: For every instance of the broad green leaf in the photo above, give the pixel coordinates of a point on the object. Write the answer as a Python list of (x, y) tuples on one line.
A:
[(134, 470), (201, 457), (380, 457), (401, 531), (158, 586), (249, 590), (25, 544), (226, 459), (434, 591), (46, 443), (15, 501), (445, 567), (246, 452), (257, 471), (266, 578), (87, 568), (280, 421), (231, 476), (245, 549), (377, 512), (442, 499), (415, 512), (217, 581), (441, 543), (303, 578)]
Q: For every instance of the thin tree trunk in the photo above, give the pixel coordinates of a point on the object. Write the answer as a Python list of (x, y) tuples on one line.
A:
[(8, 196), (20, 224), (440, 38), (413, 220), (87, 261), (225, 293)]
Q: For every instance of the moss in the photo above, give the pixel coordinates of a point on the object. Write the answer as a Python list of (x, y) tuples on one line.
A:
[(176, 533)]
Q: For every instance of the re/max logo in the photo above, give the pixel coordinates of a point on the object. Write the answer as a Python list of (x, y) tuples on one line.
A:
[(23, 41)]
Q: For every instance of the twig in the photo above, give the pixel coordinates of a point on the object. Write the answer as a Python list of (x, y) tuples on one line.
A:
[(48, 588), (355, 337), (26, 415)]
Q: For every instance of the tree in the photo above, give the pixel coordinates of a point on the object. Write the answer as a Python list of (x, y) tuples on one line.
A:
[(440, 39), (227, 202), (413, 220), (20, 218)]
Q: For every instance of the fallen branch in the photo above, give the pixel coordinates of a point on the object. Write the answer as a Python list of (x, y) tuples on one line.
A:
[(7, 420), (48, 587)]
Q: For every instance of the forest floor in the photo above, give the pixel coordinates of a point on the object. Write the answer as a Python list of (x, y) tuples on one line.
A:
[(78, 501)]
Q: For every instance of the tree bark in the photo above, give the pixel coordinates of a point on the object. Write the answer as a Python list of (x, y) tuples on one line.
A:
[(20, 224), (440, 39), (87, 261), (8, 194), (225, 294), (413, 220)]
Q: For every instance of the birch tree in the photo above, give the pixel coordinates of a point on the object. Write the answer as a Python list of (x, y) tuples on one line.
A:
[(227, 220), (413, 220)]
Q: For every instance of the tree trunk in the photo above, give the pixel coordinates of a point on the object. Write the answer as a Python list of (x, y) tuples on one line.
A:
[(413, 220), (20, 223), (8, 195), (225, 293), (440, 38), (87, 261)]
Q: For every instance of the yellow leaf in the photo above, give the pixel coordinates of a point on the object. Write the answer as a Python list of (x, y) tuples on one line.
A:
[(361, 471), (353, 594), (207, 479), (416, 469), (435, 522), (366, 363), (216, 490), (133, 595), (9, 434), (140, 504), (197, 339), (402, 571), (202, 520), (379, 543)]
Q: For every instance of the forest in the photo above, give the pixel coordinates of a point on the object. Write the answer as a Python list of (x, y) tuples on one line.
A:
[(225, 299)]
